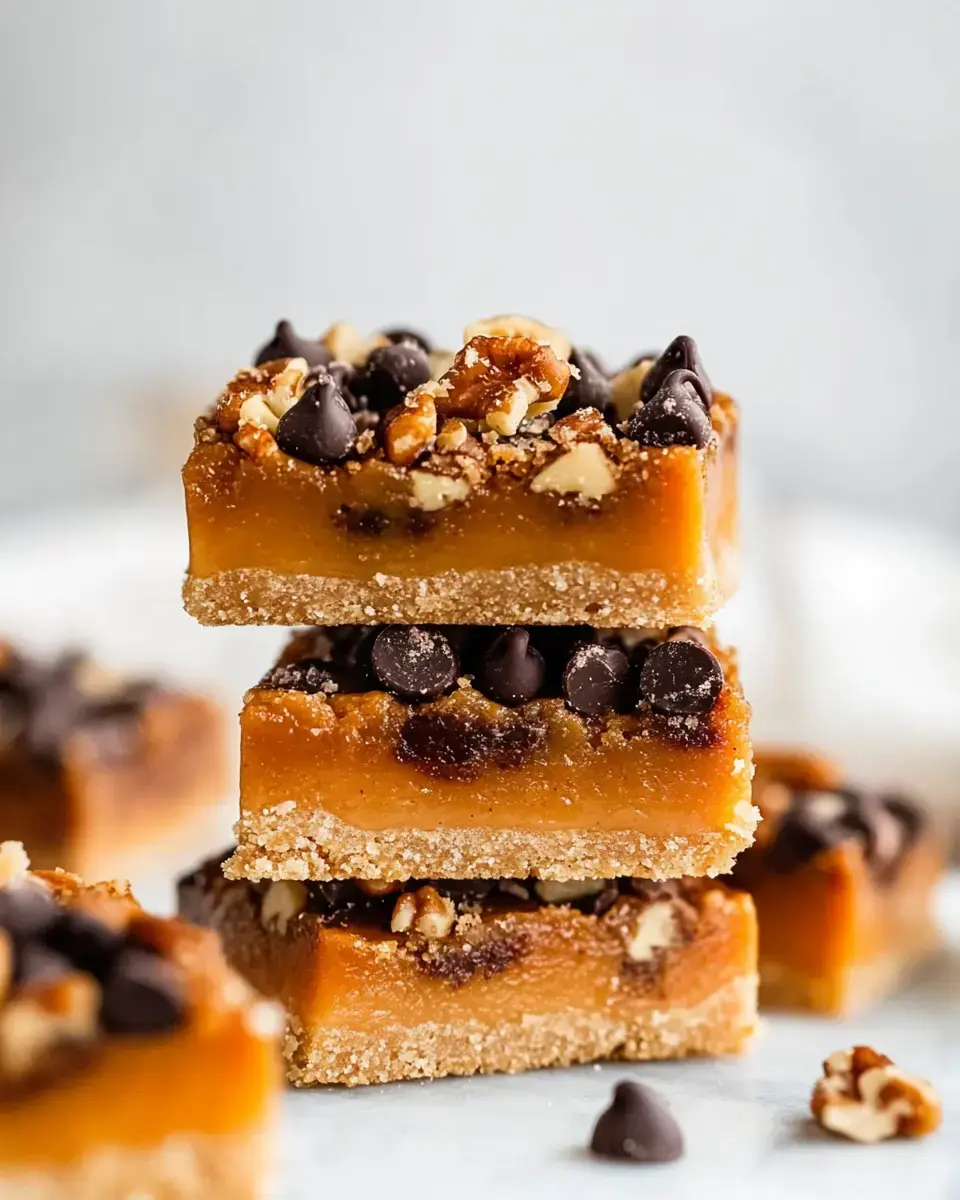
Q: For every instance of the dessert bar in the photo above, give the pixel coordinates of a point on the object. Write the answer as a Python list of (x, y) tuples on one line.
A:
[(97, 771), (843, 880), (352, 479), (133, 1061), (440, 977), (457, 751)]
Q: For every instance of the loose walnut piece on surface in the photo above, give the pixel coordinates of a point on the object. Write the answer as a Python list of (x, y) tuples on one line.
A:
[(425, 912), (257, 397), (284, 900), (514, 325), (502, 380), (864, 1097), (410, 428)]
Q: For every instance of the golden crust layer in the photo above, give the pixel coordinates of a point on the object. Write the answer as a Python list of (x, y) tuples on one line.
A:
[(571, 594), (274, 844), (723, 1024)]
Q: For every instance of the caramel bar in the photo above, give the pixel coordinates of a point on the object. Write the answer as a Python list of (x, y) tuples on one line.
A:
[(843, 881), (98, 772), (429, 978), (456, 751), (133, 1061), (352, 479)]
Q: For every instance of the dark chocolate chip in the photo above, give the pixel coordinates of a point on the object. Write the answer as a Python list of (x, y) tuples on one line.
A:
[(606, 899), (390, 373), (343, 376), (414, 663), (319, 428), (408, 335), (907, 813), (637, 1127), (595, 679), (673, 417), (87, 943), (27, 910), (681, 676), (286, 343), (804, 832), (143, 994), (443, 744), (681, 355), (515, 742), (462, 891), (592, 390), (308, 675), (37, 964), (511, 671)]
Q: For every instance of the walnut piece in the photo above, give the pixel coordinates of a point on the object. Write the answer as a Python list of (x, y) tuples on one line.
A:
[(284, 900), (864, 1097), (452, 435), (410, 428), (14, 863), (513, 325), (502, 381), (432, 492), (553, 891), (259, 396), (658, 927), (625, 388), (425, 912), (347, 344), (584, 471), (43, 1017)]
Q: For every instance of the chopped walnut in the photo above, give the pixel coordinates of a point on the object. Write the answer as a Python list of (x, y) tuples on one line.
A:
[(452, 435), (432, 492), (14, 863), (43, 1017), (584, 471), (503, 380), (347, 344), (584, 425), (658, 927), (440, 363), (553, 891), (410, 428), (425, 912), (625, 388), (259, 396), (864, 1097), (284, 900), (513, 325)]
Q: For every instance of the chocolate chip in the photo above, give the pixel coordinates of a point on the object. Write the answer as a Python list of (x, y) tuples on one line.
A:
[(443, 744), (390, 373), (804, 832), (319, 428), (343, 375), (37, 964), (408, 335), (511, 671), (595, 679), (681, 355), (462, 891), (285, 343), (637, 1127), (673, 417), (27, 910), (592, 390), (681, 676), (143, 994), (414, 663), (87, 943)]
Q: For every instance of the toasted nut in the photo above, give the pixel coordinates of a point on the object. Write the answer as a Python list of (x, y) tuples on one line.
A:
[(259, 396), (440, 362), (553, 891), (284, 900), (584, 471), (410, 429), (452, 435), (864, 1097), (347, 344), (584, 425), (513, 325), (658, 927), (625, 388), (425, 912), (45, 1016), (432, 492), (502, 380), (378, 887), (14, 863)]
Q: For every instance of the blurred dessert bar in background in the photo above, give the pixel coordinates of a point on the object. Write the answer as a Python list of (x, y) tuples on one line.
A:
[(98, 773), (133, 1061), (427, 978), (349, 479), (458, 751), (843, 880)]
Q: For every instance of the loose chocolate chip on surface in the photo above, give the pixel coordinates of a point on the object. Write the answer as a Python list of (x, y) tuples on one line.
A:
[(414, 663), (674, 416), (319, 428), (681, 676), (343, 376), (390, 372), (87, 943), (637, 1127), (593, 389), (143, 994), (681, 355), (27, 910), (409, 335), (511, 671), (595, 679), (286, 343)]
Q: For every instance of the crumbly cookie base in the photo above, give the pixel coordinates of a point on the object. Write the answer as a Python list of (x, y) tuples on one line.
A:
[(188, 1166), (276, 843), (564, 594), (722, 1024)]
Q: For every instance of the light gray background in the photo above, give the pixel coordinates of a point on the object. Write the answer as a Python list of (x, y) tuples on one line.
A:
[(779, 179)]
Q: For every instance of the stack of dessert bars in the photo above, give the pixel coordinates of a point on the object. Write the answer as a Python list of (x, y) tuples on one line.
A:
[(486, 785)]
